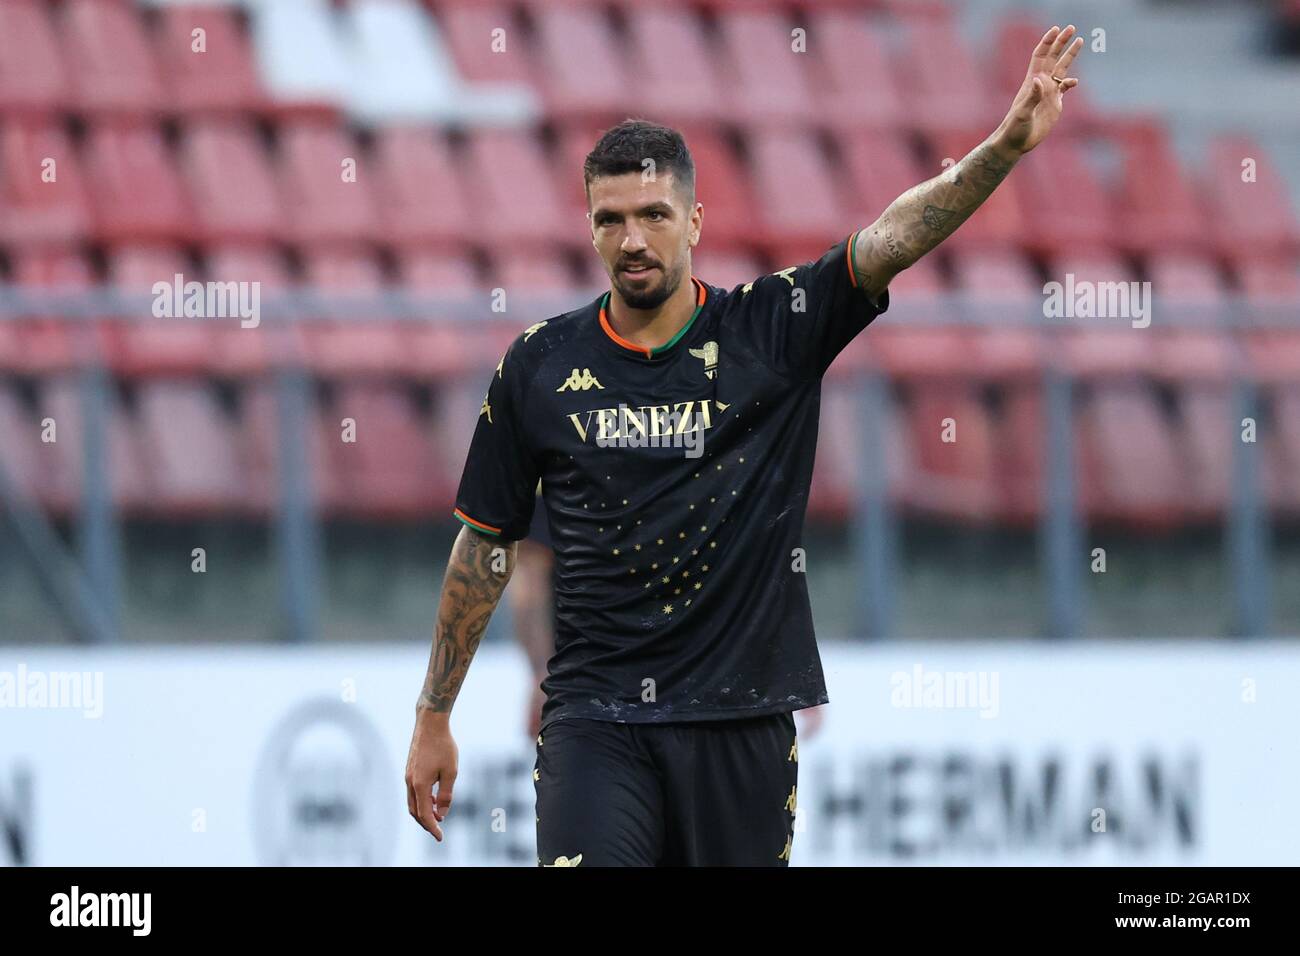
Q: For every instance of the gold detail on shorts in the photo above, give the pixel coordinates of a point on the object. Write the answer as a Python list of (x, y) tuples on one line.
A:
[(785, 854), (565, 861), (539, 740), (794, 752), (537, 774), (791, 801)]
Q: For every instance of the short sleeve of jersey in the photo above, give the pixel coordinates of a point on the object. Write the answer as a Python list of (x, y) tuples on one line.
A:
[(805, 315), (498, 486)]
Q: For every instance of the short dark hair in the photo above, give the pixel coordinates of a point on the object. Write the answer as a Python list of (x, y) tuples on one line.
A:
[(625, 148)]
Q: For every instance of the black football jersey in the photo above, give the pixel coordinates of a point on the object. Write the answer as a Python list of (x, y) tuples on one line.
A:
[(675, 482)]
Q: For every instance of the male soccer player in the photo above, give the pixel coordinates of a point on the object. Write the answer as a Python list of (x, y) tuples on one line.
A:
[(673, 425)]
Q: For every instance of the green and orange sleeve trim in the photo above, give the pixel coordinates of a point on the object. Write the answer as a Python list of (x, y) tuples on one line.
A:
[(851, 259), (476, 525)]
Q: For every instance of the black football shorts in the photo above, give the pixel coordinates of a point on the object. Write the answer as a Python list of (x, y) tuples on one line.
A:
[(707, 793)]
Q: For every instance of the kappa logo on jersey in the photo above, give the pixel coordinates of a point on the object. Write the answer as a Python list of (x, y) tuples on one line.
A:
[(486, 410), (787, 274), (565, 861), (580, 381), (709, 354)]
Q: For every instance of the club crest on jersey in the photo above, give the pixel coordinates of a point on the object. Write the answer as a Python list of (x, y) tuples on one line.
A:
[(580, 381), (709, 354), (565, 861)]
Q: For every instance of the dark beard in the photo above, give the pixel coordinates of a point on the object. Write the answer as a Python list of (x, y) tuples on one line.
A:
[(655, 297)]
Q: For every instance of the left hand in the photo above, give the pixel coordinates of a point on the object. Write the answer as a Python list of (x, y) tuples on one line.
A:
[(1037, 105)]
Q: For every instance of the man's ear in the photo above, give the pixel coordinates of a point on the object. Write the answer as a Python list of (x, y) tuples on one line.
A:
[(698, 208)]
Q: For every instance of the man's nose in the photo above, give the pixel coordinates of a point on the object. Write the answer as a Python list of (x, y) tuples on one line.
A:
[(633, 239)]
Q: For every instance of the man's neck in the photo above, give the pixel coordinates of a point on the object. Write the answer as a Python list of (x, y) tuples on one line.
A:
[(651, 328)]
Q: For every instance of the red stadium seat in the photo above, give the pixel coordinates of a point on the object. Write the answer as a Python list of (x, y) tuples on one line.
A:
[(837, 475), (510, 175), (48, 344), (680, 87), (997, 275), (1134, 475), (858, 88), (1071, 208), (1158, 207), (723, 185), (343, 269), (878, 168), (520, 276), (1185, 278), (142, 344), (390, 471), (260, 446), (1019, 443), (238, 350), (1205, 435), (234, 191), (323, 206), (1199, 365), (724, 269), (955, 96), (436, 274), (1189, 287), (1271, 286), (32, 75), (770, 85), (248, 263), (421, 196), (1252, 218), (189, 448), (1101, 268), (801, 214), (222, 77), (469, 30), (130, 482), (349, 343), (566, 83), (135, 268), (135, 191), (1003, 297), (39, 202), (111, 61), (950, 478)]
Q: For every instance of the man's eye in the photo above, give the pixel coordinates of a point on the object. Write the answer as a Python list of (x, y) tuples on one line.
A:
[(656, 215)]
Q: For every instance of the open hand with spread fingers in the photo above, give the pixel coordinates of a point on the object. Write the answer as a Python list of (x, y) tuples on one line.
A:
[(1038, 103)]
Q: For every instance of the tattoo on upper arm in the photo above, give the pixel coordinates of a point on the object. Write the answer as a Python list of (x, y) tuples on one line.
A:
[(928, 213), (470, 592)]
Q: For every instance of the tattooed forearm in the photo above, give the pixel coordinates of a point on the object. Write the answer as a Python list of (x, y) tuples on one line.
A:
[(926, 214), (476, 575)]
